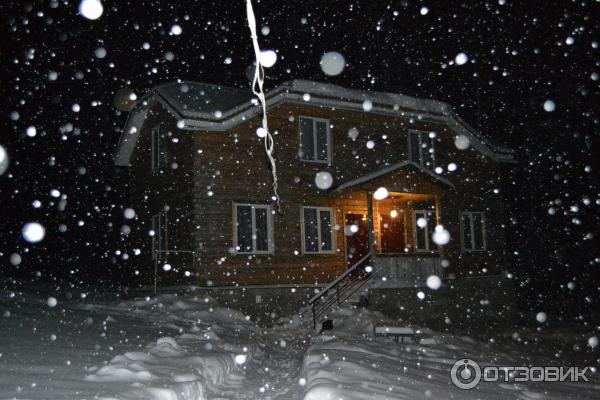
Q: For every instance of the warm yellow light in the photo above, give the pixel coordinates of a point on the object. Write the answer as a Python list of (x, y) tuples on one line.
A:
[(393, 213)]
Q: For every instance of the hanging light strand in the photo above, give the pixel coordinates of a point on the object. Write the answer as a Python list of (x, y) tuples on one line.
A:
[(257, 89)]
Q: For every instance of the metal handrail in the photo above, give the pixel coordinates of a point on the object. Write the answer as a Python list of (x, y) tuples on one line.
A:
[(345, 286), (339, 278)]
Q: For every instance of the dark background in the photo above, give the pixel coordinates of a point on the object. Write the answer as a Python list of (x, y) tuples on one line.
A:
[(518, 58)]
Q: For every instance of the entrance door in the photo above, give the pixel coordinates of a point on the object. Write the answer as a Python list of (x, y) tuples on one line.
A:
[(357, 238), (392, 234)]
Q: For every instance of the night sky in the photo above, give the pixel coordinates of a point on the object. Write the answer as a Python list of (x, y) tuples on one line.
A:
[(520, 56)]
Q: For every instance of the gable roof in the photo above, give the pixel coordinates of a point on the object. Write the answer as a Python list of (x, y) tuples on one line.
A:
[(201, 101), (201, 106), (392, 168)]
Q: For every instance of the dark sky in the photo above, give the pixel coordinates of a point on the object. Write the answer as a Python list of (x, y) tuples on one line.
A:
[(520, 55)]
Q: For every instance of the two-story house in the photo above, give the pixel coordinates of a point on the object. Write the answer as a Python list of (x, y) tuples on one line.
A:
[(401, 168)]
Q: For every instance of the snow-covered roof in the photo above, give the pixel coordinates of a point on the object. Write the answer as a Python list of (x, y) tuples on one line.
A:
[(201, 106), (196, 100), (392, 168)]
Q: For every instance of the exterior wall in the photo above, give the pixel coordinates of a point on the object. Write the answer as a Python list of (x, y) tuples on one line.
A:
[(474, 306), (149, 193), (232, 167)]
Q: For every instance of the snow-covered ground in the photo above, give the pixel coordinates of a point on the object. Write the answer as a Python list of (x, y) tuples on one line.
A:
[(187, 347)]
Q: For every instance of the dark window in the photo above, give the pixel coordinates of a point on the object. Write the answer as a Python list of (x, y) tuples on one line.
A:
[(253, 228), (421, 148), (315, 140), (326, 229), (158, 148), (262, 229), (473, 231), (307, 139), (311, 233), (159, 240), (244, 229), (317, 229)]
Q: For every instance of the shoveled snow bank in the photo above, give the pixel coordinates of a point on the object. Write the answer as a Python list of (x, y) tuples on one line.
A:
[(349, 363), (214, 343), (170, 347)]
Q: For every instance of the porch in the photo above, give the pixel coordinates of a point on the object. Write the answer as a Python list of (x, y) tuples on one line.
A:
[(392, 214), (397, 229)]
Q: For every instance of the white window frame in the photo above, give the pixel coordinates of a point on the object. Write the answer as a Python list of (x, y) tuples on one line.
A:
[(156, 156), (428, 234), (421, 159), (303, 229), (270, 242), (315, 150), (472, 249)]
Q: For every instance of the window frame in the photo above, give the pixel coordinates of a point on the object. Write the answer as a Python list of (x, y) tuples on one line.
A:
[(303, 230), (158, 139), (270, 228), (472, 249), (314, 132), (428, 234), (421, 159), (159, 221)]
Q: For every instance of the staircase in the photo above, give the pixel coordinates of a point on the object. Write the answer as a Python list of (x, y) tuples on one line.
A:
[(345, 288)]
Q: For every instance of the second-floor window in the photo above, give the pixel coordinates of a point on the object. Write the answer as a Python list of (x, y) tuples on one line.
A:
[(421, 149), (317, 230), (473, 231), (253, 228), (159, 154), (315, 140)]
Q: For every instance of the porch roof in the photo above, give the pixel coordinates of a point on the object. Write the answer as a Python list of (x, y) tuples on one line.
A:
[(393, 168)]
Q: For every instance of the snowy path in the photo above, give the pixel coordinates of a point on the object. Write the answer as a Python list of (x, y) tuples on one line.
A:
[(273, 373), (189, 348)]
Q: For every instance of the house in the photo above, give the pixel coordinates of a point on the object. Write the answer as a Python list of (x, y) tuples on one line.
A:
[(201, 187)]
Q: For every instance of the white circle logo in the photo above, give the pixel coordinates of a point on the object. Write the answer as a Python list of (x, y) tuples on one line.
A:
[(465, 374)]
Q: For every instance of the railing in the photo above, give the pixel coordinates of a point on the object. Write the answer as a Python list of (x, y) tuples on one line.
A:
[(406, 270), (163, 256), (341, 288)]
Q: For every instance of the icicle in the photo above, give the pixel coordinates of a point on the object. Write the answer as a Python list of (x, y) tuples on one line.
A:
[(257, 89)]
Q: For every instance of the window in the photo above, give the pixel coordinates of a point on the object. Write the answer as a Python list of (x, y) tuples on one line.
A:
[(159, 239), (253, 229), (473, 231), (315, 140), (159, 156), (421, 149), (317, 230), (423, 225)]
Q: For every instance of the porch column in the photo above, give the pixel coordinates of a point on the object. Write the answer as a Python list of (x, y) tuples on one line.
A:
[(370, 221)]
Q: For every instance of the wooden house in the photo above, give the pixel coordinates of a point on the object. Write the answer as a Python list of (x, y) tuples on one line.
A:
[(403, 171)]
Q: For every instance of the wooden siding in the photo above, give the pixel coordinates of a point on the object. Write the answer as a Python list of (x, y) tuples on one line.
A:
[(232, 167), (149, 193)]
